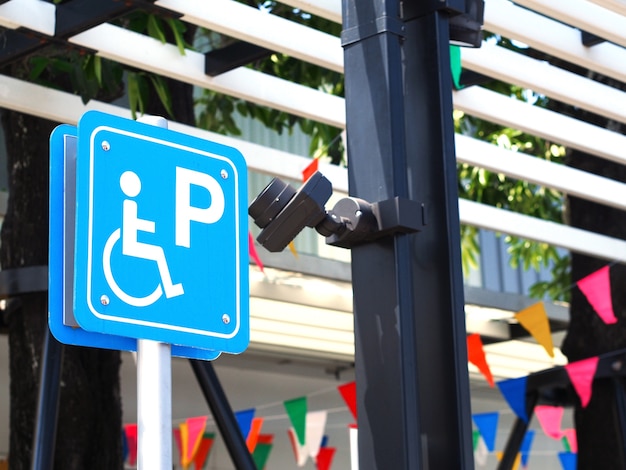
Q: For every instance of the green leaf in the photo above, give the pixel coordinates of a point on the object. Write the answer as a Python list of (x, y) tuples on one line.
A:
[(155, 29), (163, 92), (177, 30)]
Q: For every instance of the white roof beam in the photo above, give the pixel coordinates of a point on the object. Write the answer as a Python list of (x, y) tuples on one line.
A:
[(146, 53), (540, 76), (542, 172), (263, 29), (509, 112), (557, 39), (35, 15), (617, 6), (584, 15), (329, 9), (531, 228)]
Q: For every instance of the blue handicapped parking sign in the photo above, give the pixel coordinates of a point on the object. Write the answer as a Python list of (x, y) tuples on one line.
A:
[(161, 236)]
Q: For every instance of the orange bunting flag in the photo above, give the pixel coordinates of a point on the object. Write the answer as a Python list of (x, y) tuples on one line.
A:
[(476, 355), (253, 435), (206, 444), (535, 320), (292, 248), (310, 170), (597, 290), (516, 463), (581, 374), (184, 444), (253, 253)]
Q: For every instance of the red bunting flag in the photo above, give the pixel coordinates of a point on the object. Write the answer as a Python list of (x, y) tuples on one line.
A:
[(253, 253), (299, 451), (131, 438), (348, 392), (581, 374), (597, 289), (325, 458), (476, 355), (550, 418), (265, 439), (310, 170), (206, 444)]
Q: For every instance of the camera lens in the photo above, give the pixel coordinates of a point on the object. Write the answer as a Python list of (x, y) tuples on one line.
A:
[(270, 202)]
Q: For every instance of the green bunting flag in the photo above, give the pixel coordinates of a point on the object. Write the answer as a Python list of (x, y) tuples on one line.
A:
[(455, 65), (296, 410), (261, 454)]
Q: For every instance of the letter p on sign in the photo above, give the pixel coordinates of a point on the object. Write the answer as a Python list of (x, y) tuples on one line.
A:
[(185, 212)]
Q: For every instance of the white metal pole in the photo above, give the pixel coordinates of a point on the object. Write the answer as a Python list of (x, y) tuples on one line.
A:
[(154, 391)]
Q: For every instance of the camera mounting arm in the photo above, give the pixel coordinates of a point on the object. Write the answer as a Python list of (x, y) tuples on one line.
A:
[(282, 213)]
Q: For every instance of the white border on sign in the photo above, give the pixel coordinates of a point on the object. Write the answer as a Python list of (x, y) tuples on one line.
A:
[(151, 324)]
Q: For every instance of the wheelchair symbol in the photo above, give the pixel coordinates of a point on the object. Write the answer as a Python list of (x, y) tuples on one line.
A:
[(131, 226)]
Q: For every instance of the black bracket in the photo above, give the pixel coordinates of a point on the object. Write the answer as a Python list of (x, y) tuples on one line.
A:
[(234, 55), (282, 213)]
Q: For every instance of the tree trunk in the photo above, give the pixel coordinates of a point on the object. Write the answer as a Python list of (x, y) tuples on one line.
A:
[(89, 428)]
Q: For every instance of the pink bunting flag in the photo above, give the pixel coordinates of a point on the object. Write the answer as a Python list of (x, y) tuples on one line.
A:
[(597, 289), (131, 438), (550, 418), (253, 253), (581, 374), (572, 440), (195, 430), (315, 426)]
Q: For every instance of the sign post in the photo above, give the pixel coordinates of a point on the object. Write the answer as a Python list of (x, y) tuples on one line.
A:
[(148, 252)]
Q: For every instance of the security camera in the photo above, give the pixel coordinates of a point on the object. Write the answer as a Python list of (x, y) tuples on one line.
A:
[(282, 212)]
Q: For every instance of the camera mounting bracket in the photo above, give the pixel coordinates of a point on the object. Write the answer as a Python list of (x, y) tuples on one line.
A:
[(282, 212)]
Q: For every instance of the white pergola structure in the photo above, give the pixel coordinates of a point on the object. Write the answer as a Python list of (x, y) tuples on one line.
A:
[(550, 26), (553, 27)]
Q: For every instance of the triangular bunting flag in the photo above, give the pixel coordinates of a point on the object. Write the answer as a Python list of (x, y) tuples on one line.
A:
[(253, 435), (244, 420), (299, 451), (481, 452), (292, 248), (296, 410), (261, 454), (516, 462), (310, 170), (570, 436), (535, 320), (184, 444), (179, 444), (475, 438), (526, 445), (597, 288), (487, 424), (206, 444), (514, 392), (348, 392), (325, 458), (455, 66), (568, 460), (253, 253), (476, 355), (195, 431), (550, 418), (354, 447), (581, 374), (315, 425), (265, 439), (131, 439)]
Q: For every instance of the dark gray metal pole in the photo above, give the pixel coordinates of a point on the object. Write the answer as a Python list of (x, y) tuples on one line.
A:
[(411, 359), (223, 414), (48, 404)]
